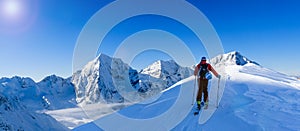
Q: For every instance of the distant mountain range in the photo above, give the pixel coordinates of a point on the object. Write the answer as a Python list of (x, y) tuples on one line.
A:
[(102, 79), (22, 100)]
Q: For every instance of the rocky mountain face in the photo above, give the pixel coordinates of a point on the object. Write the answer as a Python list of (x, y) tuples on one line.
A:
[(102, 79)]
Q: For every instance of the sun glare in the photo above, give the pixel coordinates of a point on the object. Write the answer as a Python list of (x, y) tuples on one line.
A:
[(17, 15), (11, 8)]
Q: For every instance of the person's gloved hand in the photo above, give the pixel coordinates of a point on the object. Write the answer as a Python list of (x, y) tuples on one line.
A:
[(219, 76)]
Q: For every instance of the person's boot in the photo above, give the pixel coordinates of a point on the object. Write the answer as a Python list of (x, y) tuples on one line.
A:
[(198, 105), (206, 105)]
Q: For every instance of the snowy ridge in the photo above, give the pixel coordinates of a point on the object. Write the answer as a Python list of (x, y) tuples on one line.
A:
[(232, 58), (168, 71), (57, 92), (53, 92)]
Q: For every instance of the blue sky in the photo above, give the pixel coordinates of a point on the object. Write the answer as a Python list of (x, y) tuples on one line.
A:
[(37, 38)]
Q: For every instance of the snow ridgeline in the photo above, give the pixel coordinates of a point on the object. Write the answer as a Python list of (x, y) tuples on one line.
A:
[(255, 98)]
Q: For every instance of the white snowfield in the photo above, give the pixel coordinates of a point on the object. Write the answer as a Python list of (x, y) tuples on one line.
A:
[(254, 98)]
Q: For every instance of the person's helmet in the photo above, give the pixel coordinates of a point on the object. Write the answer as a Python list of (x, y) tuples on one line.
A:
[(203, 59)]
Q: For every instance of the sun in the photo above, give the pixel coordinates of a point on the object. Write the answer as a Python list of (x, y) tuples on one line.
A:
[(17, 15), (11, 8)]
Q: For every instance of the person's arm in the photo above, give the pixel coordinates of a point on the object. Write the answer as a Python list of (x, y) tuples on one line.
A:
[(213, 70), (196, 70)]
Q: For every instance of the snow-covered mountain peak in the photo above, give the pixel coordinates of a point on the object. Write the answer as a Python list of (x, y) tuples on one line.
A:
[(51, 77), (103, 57), (232, 58), (168, 71), (56, 86), (157, 68), (22, 81), (94, 83), (99, 59), (54, 79)]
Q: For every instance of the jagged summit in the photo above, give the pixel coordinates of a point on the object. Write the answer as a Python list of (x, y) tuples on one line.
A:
[(232, 58), (53, 78), (168, 71), (156, 69), (103, 58)]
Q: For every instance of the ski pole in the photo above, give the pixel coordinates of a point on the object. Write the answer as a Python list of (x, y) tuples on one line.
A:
[(218, 93), (194, 91)]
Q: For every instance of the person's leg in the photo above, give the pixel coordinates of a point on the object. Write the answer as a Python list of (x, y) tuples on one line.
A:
[(205, 91), (199, 95)]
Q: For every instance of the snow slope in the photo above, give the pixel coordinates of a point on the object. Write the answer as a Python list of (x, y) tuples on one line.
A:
[(255, 98), (254, 102)]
